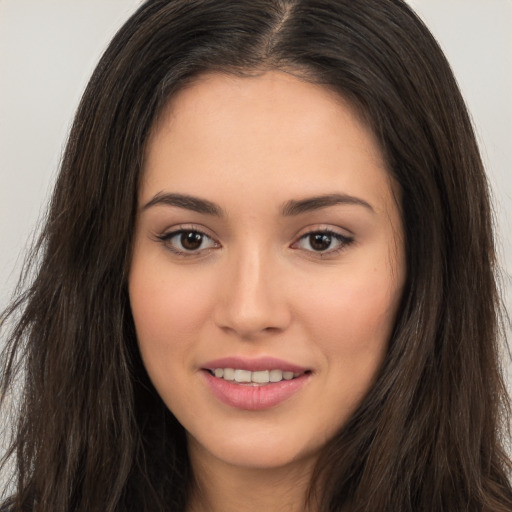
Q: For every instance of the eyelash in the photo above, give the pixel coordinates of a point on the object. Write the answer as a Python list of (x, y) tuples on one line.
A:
[(166, 239), (343, 241)]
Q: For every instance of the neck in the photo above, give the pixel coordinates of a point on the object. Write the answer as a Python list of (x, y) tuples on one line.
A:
[(219, 486)]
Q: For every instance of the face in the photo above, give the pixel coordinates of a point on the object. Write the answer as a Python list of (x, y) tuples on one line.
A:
[(267, 268)]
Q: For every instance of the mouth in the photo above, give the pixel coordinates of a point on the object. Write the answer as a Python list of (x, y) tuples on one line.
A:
[(255, 378), (254, 384)]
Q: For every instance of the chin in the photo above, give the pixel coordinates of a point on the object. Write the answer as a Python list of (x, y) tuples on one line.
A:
[(265, 449)]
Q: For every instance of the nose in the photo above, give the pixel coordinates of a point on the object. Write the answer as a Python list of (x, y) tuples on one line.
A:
[(252, 299)]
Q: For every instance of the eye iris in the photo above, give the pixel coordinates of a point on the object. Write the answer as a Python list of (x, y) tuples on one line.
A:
[(191, 240), (320, 241)]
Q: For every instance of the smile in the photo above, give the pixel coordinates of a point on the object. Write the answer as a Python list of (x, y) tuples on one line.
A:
[(261, 377)]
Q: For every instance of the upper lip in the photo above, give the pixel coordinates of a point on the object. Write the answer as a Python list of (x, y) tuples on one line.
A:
[(253, 365)]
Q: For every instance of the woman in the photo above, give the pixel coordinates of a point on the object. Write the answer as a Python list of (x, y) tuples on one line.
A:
[(266, 278)]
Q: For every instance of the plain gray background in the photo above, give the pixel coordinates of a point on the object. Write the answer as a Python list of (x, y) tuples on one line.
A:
[(48, 49)]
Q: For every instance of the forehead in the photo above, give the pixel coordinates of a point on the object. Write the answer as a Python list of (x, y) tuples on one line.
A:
[(215, 96), (272, 130)]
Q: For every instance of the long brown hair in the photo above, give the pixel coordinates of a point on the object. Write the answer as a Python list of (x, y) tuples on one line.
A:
[(92, 433)]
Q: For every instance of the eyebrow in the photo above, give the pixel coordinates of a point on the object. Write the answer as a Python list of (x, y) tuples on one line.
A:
[(294, 207), (185, 201), (290, 208)]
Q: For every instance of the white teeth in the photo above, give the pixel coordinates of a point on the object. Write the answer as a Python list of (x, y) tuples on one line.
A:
[(257, 377), (242, 376), (276, 375), (260, 377), (229, 374)]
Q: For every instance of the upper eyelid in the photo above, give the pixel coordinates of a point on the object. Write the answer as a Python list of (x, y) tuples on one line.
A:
[(324, 228), (335, 234), (187, 227)]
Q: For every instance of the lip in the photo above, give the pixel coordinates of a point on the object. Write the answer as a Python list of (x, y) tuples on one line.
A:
[(250, 397)]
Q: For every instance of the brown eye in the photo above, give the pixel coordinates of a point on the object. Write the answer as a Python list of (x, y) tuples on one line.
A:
[(320, 241), (188, 242), (323, 242), (191, 240)]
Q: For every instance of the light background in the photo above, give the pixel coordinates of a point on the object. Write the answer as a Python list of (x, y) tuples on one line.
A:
[(48, 49)]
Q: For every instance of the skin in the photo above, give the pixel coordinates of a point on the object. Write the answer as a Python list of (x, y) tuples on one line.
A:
[(256, 286)]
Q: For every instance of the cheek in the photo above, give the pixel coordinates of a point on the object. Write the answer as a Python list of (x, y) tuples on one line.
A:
[(351, 326), (352, 317), (166, 302), (169, 311)]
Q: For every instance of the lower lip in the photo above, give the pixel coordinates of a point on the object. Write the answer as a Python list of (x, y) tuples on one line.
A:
[(254, 398)]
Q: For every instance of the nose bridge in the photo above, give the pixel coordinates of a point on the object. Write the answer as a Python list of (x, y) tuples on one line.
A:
[(252, 298)]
